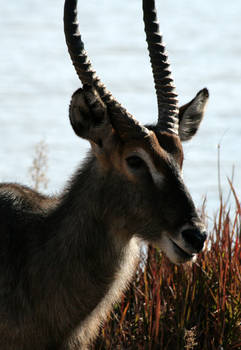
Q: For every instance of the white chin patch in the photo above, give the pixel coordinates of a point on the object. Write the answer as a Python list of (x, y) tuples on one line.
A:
[(173, 252)]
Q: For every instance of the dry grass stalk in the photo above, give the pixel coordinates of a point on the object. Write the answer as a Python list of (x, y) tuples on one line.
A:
[(39, 167)]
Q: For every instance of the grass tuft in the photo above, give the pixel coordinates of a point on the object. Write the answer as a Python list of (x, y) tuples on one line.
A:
[(192, 306)]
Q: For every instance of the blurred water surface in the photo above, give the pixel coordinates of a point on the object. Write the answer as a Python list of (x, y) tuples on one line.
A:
[(37, 79)]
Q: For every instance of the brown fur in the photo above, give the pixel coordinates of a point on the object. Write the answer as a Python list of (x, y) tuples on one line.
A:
[(65, 260)]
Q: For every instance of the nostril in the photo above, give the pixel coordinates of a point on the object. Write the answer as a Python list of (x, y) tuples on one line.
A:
[(195, 238), (205, 235)]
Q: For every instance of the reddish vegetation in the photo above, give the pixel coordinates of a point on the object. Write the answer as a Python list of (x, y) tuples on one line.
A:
[(192, 306)]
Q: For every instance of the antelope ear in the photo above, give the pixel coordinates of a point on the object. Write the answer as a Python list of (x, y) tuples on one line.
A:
[(88, 116), (191, 115)]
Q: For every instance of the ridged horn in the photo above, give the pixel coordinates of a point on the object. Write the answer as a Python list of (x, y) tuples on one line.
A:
[(77, 52), (164, 85), (88, 75)]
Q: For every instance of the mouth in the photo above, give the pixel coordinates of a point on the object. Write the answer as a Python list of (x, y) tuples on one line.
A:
[(182, 253)]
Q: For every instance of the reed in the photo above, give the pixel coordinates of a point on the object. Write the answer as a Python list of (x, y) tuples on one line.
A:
[(191, 306)]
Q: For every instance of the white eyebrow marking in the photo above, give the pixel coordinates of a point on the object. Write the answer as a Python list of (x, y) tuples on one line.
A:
[(158, 178)]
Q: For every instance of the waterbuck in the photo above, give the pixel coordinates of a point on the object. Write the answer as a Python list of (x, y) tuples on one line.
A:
[(65, 260)]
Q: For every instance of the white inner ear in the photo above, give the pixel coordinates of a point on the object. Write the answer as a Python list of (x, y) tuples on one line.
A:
[(158, 177), (192, 117)]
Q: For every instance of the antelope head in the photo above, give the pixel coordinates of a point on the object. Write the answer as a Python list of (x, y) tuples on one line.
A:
[(141, 164)]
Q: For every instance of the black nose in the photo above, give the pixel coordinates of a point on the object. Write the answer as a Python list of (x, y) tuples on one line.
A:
[(195, 238)]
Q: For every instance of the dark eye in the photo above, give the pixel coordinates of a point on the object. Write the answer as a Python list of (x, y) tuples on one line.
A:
[(135, 162)]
